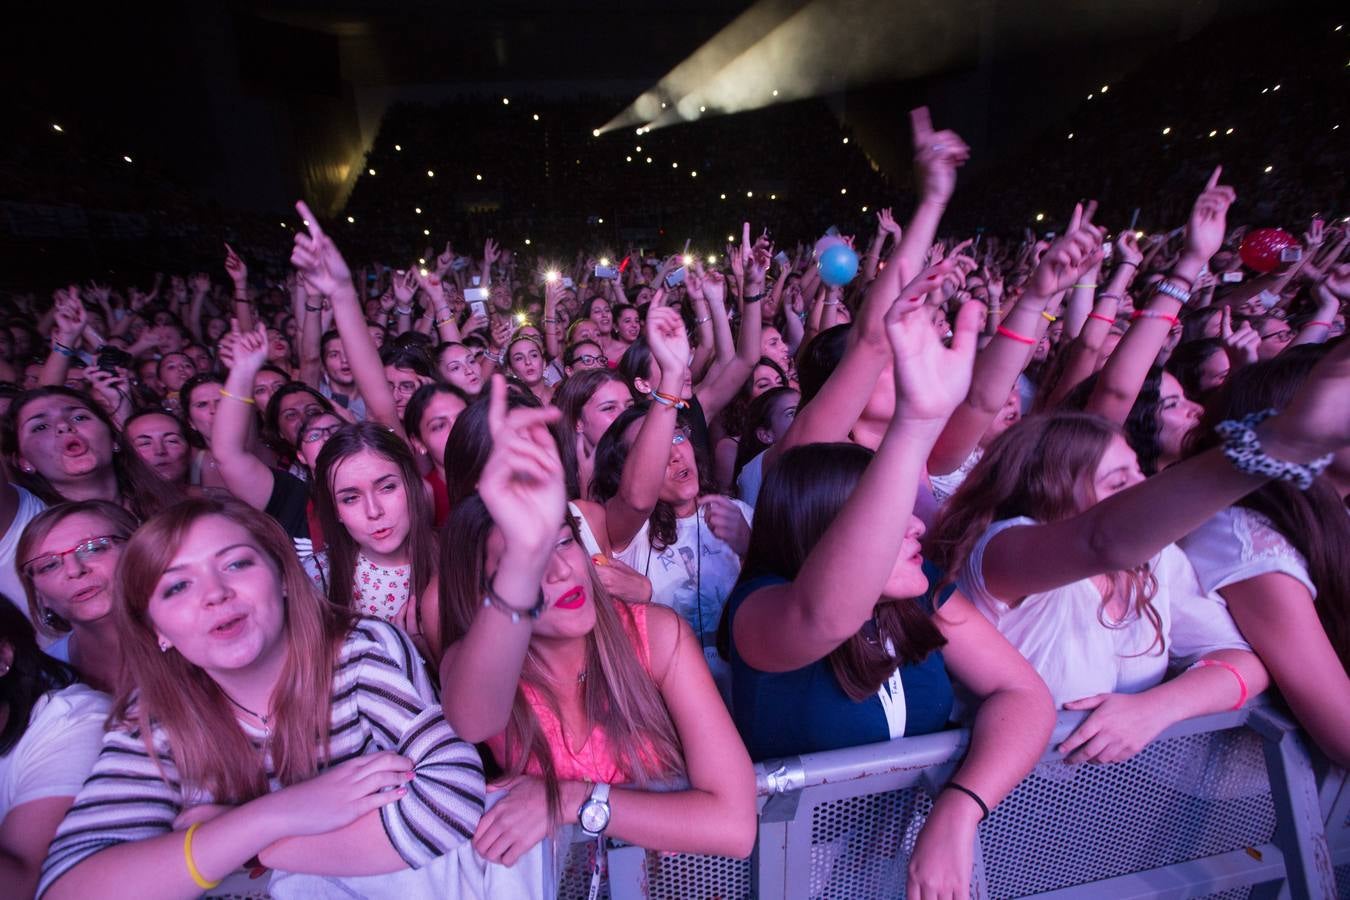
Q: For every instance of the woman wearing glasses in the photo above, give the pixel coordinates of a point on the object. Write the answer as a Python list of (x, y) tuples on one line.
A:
[(67, 559), (662, 513), (583, 355)]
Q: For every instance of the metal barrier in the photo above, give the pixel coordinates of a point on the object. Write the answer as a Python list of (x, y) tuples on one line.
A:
[(1228, 805)]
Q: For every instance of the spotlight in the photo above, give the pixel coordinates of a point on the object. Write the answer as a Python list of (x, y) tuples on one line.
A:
[(478, 177), (601, 221), (637, 149), (370, 171), (57, 128), (536, 117), (427, 232), (417, 209), (1105, 88), (864, 209), (749, 193), (398, 147), (724, 196), (127, 158), (1070, 135), (1040, 217), (351, 219), (430, 174), (674, 165), (845, 140), (1269, 169), (628, 159), (506, 101), (649, 159), (1167, 130), (843, 190), (712, 259), (1229, 131), (595, 132), (1214, 133), (693, 174), (527, 242)]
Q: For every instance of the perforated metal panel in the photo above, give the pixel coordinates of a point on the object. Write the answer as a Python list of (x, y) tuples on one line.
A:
[(574, 876), (684, 876), (1343, 882), (860, 846)]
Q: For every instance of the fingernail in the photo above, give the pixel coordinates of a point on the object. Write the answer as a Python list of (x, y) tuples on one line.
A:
[(408, 775)]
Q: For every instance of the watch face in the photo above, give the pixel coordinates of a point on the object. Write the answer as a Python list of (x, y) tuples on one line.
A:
[(594, 817)]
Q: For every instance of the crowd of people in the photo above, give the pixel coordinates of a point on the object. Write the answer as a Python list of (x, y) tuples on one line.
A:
[(383, 574)]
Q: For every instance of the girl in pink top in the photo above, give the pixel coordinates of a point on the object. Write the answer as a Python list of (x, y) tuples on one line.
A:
[(573, 690)]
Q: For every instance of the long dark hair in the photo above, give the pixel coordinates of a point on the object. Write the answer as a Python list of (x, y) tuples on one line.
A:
[(1143, 426), (801, 496), (612, 453), (470, 443), (195, 437), (757, 416), (576, 391), (139, 488), (342, 547), (1186, 362), (31, 674), (1312, 521)]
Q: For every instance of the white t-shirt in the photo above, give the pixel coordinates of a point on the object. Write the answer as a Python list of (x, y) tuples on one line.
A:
[(10, 585), (1239, 543), (1062, 632), (694, 575), (56, 752), (751, 479), (945, 485)]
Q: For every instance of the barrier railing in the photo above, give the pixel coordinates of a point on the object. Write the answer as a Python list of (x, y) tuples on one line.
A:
[(1227, 805)]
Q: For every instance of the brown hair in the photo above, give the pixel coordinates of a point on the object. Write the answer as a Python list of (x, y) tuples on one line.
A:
[(1043, 467), (342, 547), (624, 700), (209, 748), (120, 523), (801, 496)]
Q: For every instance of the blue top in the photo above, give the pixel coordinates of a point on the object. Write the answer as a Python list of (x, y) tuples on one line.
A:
[(804, 711)]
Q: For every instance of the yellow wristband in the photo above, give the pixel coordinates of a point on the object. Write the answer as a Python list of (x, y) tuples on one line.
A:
[(249, 400), (1048, 317), (192, 866)]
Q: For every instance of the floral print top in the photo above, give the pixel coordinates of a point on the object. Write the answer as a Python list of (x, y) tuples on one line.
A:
[(380, 591)]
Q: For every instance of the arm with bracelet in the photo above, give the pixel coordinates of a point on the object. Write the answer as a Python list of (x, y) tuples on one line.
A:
[(238, 272), (1125, 372)]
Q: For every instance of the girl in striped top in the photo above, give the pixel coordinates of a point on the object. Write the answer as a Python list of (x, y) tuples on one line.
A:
[(267, 727)]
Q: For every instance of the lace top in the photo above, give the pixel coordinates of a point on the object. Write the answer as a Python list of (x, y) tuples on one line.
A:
[(1238, 544)]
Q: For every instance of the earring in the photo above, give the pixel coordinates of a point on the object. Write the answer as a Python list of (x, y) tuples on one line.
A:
[(47, 616), (163, 646), (117, 448)]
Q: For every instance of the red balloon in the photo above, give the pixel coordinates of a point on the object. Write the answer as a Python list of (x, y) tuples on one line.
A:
[(1260, 248)]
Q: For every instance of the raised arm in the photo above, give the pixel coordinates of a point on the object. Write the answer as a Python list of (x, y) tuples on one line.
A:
[(318, 260), (311, 335), (721, 385), (1130, 527), (787, 626), (1125, 371), (67, 328), (238, 272), (937, 156), (246, 476), (644, 469), (523, 488)]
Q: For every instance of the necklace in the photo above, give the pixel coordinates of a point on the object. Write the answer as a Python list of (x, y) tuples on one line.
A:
[(265, 720)]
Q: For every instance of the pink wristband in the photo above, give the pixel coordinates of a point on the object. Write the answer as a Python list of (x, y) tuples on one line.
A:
[(1101, 318), (1020, 338), (1242, 682)]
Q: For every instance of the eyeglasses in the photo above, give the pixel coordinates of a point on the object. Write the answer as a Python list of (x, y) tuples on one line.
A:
[(1284, 334), (85, 552), (588, 359), (314, 435), (682, 434)]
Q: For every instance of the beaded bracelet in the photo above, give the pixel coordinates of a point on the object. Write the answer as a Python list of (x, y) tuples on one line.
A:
[(1242, 447), (1020, 338)]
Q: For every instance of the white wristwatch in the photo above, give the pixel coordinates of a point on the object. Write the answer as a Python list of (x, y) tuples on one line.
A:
[(594, 813)]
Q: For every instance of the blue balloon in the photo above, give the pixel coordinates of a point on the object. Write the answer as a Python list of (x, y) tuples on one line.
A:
[(837, 265)]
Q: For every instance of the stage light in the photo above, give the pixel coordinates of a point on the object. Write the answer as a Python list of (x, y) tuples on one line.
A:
[(370, 171), (628, 159), (703, 109), (1265, 90), (637, 149), (724, 196), (663, 105), (423, 270), (1105, 88), (773, 196), (398, 147), (1090, 96), (649, 159), (430, 173), (775, 93), (864, 209), (527, 242), (1167, 130), (57, 128), (1139, 235), (421, 261), (750, 193), (843, 190), (506, 101), (417, 209), (1070, 135), (693, 174), (1275, 88), (601, 221), (427, 232), (1269, 169), (1214, 133), (712, 259), (730, 238), (1040, 217), (536, 117), (1229, 131), (478, 177), (845, 140), (351, 219), (595, 132), (127, 158), (283, 224), (674, 165)]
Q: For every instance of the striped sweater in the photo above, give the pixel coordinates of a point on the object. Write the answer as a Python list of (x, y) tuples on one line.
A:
[(382, 700)]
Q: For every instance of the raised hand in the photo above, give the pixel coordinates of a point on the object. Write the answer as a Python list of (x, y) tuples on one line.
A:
[(1208, 223), (405, 287), (1064, 262), (1241, 344), (930, 380), (444, 260), (937, 156), (1127, 249), (715, 287), (235, 268), (250, 347), (668, 341), (70, 315), (317, 258), (522, 484), (491, 252), (886, 222)]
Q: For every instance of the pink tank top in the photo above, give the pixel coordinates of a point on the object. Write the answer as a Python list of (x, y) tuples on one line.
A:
[(595, 761)]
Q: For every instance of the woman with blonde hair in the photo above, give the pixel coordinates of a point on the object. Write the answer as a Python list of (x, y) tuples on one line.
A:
[(263, 722)]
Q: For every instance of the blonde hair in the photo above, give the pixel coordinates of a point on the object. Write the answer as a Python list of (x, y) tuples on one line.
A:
[(209, 748)]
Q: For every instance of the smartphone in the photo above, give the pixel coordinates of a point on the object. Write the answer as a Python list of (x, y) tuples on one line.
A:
[(1231, 277), (460, 263), (1107, 250), (567, 282), (606, 272), (1268, 298), (476, 295), (1291, 254), (782, 259), (476, 279), (676, 277)]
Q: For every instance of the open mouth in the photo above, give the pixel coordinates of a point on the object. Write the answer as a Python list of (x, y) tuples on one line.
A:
[(231, 627), (382, 533), (681, 476), (74, 446), (573, 599)]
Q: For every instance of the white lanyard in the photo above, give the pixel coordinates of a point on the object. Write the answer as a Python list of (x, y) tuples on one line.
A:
[(892, 697)]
